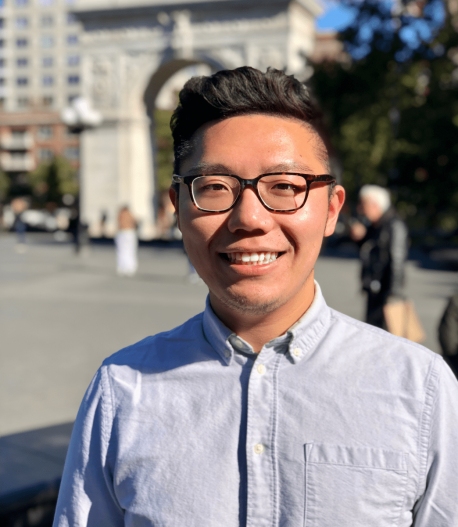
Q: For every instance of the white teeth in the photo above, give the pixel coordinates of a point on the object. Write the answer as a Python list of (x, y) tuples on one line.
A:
[(261, 258)]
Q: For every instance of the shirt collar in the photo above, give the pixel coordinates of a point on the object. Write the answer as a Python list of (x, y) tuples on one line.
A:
[(300, 339)]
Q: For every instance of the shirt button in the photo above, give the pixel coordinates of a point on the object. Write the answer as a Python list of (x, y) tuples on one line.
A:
[(296, 352), (227, 353), (259, 448), (238, 343), (261, 369)]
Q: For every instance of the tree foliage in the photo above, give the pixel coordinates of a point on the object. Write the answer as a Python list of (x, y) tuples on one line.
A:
[(164, 154), (51, 180), (392, 108)]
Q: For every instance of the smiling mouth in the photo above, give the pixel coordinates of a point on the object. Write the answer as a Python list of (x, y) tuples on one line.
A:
[(261, 258)]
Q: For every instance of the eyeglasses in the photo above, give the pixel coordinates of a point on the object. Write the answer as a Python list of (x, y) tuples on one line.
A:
[(278, 192)]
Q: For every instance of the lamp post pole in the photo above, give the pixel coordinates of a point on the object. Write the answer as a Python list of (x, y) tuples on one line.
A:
[(79, 116)]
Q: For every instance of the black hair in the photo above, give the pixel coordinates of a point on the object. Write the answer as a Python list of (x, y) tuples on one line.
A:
[(242, 91)]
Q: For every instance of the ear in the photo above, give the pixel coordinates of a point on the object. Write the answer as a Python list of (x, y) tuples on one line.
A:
[(175, 199), (335, 204)]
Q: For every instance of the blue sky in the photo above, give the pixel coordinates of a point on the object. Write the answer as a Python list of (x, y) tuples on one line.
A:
[(335, 16)]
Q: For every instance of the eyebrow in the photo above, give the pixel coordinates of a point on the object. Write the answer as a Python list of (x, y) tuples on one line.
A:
[(218, 168)]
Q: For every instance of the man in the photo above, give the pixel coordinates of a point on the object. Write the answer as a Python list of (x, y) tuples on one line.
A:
[(270, 408), (383, 251)]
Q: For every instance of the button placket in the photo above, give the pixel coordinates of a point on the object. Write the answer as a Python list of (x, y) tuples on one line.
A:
[(261, 434)]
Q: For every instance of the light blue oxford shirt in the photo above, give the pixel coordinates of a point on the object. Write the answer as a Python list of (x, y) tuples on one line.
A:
[(334, 424)]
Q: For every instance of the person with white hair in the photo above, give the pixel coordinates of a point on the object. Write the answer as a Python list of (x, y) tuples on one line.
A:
[(383, 251)]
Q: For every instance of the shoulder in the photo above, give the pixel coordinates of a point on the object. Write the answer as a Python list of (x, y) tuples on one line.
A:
[(160, 347), (378, 354)]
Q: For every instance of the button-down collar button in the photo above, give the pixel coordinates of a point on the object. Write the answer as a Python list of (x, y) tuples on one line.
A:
[(238, 343), (296, 352), (259, 448), (261, 369), (227, 353)]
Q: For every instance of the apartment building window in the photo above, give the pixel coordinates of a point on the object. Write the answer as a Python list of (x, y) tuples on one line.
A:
[(47, 80), (45, 154), (45, 132), (21, 3), (48, 101), (46, 2), (72, 153), (71, 98), (2, 102), (22, 62), (23, 102), (2, 21), (22, 81), (18, 134), (21, 42), (2, 42), (72, 40), (47, 21), (73, 60), (47, 41), (73, 79), (2, 81), (47, 62), (71, 19), (22, 22), (2, 63)]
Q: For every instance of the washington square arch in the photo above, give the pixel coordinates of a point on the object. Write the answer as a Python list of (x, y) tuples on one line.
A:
[(131, 48)]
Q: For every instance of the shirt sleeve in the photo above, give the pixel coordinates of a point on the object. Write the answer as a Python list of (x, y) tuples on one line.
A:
[(86, 495), (438, 505)]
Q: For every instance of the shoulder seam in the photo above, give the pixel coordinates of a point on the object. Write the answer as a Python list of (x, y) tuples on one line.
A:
[(424, 432)]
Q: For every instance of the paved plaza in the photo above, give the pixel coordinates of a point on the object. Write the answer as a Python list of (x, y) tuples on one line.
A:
[(62, 314)]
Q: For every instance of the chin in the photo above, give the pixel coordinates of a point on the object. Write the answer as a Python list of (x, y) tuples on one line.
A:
[(250, 304)]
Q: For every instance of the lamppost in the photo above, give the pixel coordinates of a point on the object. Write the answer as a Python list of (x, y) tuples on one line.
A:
[(79, 116)]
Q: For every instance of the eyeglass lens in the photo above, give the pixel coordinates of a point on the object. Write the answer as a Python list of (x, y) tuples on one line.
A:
[(279, 192)]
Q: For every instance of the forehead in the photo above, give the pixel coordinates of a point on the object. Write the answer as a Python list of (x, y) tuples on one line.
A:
[(258, 142)]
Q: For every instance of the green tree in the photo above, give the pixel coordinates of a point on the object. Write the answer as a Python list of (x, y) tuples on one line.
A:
[(164, 154), (5, 184), (392, 109), (51, 180)]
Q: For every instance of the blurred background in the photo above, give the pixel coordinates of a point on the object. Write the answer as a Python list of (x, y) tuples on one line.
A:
[(90, 256)]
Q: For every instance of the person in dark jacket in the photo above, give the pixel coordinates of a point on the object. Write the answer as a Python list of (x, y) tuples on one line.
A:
[(448, 333), (383, 251)]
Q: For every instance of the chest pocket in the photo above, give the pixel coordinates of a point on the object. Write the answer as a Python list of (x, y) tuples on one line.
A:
[(353, 487)]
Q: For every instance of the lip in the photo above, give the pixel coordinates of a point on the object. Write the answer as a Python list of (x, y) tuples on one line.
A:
[(250, 270)]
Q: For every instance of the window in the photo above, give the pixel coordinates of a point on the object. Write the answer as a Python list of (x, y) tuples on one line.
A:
[(22, 62), (18, 134), (71, 98), (47, 62), (22, 102), (46, 2), (2, 43), (45, 154), (2, 21), (71, 19), (2, 102), (48, 80), (72, 152), (73, 60), (45, 132), (47, 21), (72, 40), (22, 22), (22, 81), (47, 41), (2, 63), (2, 81), (48, 101), (21, 42), (73, 79), (21, 3)]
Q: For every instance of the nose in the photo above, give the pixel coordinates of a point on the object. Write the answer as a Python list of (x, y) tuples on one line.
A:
[(249, 214)]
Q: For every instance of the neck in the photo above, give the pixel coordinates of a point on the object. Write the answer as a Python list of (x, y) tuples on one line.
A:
[(258, 329)]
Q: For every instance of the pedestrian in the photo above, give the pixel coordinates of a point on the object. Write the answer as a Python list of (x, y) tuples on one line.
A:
[(126, 243), (383, 251), (19, 206), (269, 408), (448, 333)]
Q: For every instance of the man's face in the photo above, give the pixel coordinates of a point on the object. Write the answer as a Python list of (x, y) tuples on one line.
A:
[(249, 146)]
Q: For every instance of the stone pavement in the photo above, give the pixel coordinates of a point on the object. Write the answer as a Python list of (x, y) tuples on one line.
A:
[(61, 315)]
